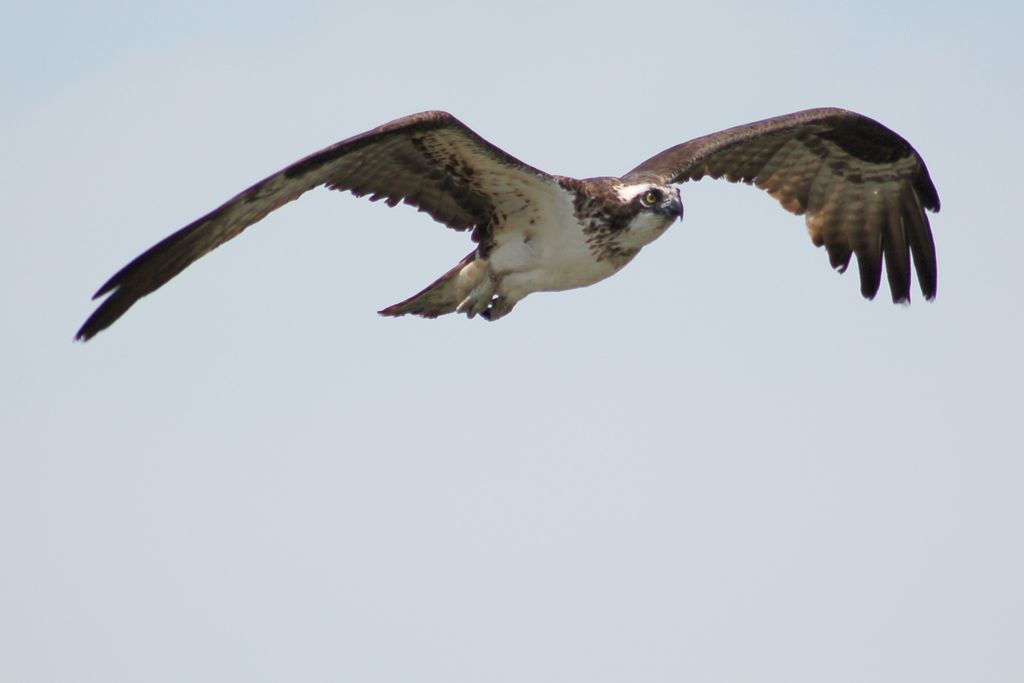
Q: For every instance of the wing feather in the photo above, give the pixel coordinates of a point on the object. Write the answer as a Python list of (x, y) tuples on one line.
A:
[(922, 244), (863, 188), (894, 248), (429, 160)]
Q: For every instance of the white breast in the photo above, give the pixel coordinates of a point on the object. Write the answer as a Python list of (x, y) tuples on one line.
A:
[(542, 247)]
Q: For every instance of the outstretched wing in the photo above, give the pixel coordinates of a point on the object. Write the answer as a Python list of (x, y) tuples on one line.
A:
[(863, 188), (429, 160)]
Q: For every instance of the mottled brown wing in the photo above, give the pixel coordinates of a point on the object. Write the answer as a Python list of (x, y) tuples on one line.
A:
[(863, 188), (429, 160)]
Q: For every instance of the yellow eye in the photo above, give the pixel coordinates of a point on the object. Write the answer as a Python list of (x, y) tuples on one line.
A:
[(650, 198)]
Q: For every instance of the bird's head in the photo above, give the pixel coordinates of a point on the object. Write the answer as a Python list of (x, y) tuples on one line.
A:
[(648, 209)]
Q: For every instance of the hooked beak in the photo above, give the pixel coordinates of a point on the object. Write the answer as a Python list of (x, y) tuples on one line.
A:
[(673, 207)]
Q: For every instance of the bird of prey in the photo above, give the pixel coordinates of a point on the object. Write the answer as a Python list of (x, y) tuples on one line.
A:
[(862, 188)]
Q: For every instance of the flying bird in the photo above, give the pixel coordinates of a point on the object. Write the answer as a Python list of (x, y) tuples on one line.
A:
[(862, 188)]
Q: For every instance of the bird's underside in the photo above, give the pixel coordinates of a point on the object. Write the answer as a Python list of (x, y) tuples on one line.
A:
[(863, 189)]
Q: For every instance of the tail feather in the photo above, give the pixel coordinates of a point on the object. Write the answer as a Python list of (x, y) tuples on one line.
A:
[(440, 297)]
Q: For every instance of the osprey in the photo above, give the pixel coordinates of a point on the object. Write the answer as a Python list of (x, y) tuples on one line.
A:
[(862, 187)]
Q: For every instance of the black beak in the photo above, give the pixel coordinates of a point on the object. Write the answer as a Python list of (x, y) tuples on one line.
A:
[(673, 207)]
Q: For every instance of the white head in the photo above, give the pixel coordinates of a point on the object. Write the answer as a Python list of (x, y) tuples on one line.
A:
[(649, 209)]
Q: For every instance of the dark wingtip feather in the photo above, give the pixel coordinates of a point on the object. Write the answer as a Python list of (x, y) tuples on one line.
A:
[(900, 295), (870, 275), (922, 247), (839, 254), (104, 316), (144, 274), (926, 188)]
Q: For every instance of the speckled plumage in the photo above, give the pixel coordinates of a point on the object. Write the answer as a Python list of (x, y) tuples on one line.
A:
[(863, 188)]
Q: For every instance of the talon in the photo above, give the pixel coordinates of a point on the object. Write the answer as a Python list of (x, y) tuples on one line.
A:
[(499, 307)]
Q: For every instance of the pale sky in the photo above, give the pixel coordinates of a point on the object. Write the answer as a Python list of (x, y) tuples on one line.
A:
[(719, 465)]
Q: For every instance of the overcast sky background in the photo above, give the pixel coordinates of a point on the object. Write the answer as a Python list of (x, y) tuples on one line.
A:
[(720, 465)]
